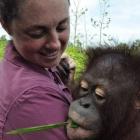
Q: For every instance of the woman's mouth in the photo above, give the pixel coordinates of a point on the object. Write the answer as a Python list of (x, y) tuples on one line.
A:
[(49, 54)]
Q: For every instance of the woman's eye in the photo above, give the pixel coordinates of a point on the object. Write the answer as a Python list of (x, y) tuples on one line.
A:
[(36, 34), (61, 28)]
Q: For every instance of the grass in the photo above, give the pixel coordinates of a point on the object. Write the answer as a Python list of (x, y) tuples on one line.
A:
[(36, 128)]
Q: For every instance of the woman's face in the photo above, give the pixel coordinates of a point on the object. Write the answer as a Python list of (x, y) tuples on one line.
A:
[(41, 32)]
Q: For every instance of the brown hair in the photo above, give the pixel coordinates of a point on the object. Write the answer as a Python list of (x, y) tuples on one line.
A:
[(9, 9)]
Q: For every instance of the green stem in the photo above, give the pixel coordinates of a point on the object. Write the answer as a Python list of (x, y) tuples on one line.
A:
[(36, 128)]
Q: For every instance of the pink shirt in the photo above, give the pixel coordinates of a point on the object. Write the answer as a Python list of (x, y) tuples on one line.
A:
[(30, 96)]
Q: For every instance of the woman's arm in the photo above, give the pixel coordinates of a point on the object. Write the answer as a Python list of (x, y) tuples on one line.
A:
[(38, 106)]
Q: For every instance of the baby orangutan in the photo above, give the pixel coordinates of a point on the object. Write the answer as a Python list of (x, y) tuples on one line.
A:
[(107, 105)]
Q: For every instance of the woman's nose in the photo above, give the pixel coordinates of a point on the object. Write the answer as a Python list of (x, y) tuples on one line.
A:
[(54, 41)]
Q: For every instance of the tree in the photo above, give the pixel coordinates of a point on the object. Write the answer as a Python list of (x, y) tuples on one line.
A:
[(3, 38), (77, 12), (103, 21)]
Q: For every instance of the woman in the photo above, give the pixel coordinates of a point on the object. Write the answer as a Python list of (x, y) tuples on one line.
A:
[(31, 91)]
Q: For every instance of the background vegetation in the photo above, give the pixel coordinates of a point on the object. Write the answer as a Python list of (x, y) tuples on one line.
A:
[(3, 43), (78, 53)]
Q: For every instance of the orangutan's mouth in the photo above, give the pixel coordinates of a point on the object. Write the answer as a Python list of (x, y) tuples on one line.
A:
[(75, 131)]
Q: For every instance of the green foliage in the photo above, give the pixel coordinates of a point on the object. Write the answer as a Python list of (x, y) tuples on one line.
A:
[(78, 54), (3, 43)]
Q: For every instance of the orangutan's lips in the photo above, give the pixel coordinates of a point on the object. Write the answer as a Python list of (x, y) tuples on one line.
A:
[(73, 124), (76, 120), (75, 130)]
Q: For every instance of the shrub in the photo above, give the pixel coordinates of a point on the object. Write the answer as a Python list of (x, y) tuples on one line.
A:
[(78, 54), (2, 47)]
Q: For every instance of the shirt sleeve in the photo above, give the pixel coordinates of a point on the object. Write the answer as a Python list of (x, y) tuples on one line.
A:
[(38, 106)]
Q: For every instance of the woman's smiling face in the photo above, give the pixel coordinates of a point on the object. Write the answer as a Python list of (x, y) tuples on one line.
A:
[(41, 31)]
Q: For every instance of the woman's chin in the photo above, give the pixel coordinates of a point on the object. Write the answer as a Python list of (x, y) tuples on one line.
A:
[(50, 64)]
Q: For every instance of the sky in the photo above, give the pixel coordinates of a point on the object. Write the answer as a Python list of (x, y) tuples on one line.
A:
[(125, 18), (124, 14)]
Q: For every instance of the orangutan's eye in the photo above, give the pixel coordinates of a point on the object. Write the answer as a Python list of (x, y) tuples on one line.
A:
[(84, 84), (83, 88), (100, 93)]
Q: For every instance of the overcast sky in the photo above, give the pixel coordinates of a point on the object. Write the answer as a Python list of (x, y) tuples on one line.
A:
[(124, 14), (125, 17)]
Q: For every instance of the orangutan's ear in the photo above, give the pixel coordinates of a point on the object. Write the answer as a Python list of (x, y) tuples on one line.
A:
[(137, 101)]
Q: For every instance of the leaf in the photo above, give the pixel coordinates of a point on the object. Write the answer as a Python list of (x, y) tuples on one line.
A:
[(35, 128), (74, 125)]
